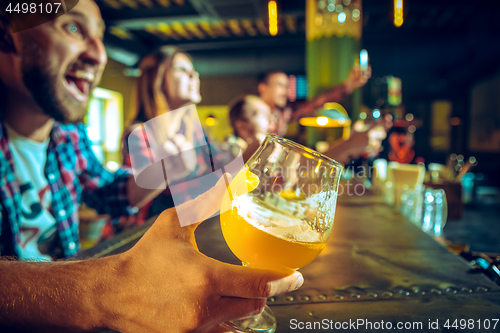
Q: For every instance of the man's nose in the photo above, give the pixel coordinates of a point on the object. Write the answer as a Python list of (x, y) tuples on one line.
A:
[(95, 52), (194, 75)]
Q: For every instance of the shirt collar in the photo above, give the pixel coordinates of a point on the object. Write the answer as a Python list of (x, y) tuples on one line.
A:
[(58, 135)]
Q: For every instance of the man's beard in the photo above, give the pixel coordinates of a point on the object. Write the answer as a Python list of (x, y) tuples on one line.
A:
[(50, 95)]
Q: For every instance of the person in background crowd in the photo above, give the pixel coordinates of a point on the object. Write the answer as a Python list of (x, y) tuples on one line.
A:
[(163, 283), (169, 82), (273, 89), (249, 118)]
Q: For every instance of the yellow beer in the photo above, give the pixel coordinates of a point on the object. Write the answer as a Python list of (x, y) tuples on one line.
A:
[(259, 249), (262, 236)]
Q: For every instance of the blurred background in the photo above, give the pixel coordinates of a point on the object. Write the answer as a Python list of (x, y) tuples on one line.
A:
[(435, 69), (445, 53)]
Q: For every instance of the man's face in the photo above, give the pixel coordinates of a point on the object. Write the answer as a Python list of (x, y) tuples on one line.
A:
[(277, 89), (182, 82), (258, 114), (63, 60)]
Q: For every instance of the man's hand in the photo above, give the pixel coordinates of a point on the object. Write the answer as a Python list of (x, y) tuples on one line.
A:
[(357, 77), (358, 144), (164, 284)]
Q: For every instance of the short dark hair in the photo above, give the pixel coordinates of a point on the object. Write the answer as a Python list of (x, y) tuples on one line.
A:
[(264, 77), (237, 112)]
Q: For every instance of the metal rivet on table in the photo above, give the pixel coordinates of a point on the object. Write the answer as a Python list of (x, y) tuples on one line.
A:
[(337, 296), (436, 291), (388, 293), (466, 290), (322, 297), (271, 299), (484, 289), (353, 295), (423, 292), (289, 298), (372, 295), (451, 290), (305, 298)]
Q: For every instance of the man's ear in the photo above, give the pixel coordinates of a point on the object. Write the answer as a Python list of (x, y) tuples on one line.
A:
[(261, 88), (7, 44)]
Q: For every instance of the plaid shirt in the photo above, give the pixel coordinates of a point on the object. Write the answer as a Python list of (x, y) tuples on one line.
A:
[(210, 158), (74, 175)]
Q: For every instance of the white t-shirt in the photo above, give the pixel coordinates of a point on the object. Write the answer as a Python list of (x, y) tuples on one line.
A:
[(38, 226)]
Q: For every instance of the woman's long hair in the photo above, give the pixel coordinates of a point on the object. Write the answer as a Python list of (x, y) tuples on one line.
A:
[(151, 99)]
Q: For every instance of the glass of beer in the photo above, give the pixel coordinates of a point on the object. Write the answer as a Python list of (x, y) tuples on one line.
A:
[(278, 213)]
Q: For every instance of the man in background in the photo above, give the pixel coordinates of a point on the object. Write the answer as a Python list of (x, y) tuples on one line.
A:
[(273, 89)]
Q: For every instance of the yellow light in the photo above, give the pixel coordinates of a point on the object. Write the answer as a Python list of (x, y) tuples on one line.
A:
[(318, 20), (319, 122), (273, 18), (398, 13), (210, 121), (322, 121)]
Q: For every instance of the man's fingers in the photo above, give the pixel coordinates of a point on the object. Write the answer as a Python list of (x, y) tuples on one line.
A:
[(232, 308), (253, 283)]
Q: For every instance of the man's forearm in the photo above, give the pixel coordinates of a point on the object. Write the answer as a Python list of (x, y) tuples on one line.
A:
[(55, 297), (335, 94)]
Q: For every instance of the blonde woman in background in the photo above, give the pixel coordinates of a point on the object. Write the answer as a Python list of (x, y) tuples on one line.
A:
[(169, 82)]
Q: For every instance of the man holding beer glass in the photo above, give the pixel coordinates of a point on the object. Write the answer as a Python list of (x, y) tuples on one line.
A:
[(162, 284)]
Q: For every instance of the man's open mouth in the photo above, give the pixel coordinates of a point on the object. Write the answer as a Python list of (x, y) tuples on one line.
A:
[(79, 83)]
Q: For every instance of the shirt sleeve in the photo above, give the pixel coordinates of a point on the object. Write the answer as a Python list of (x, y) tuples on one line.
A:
[(104, 191)]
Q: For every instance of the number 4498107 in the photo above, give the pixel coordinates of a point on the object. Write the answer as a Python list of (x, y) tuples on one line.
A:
[(487, 324), (34, 8)]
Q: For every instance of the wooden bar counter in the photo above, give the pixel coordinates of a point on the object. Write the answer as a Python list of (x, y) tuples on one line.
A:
[(377, 267)]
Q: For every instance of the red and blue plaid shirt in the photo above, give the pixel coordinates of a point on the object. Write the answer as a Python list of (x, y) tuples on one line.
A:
[(74, 175), (210, 157)]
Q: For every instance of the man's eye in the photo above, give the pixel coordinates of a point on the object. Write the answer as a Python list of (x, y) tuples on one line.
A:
[(73, 29)]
